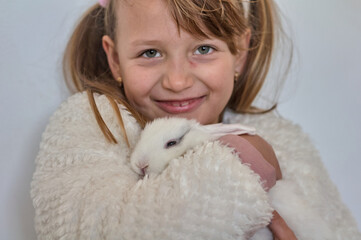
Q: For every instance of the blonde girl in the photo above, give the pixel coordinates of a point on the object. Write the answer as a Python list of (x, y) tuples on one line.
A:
[(156, 58)]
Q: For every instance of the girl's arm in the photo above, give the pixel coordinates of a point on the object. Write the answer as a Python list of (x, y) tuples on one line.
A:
[(266, 150), (259, 155), (278, 225)]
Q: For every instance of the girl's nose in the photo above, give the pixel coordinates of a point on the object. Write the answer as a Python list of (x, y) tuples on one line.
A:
[(177, 77)]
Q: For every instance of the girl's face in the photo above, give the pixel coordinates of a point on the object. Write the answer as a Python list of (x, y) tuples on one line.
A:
[(166, 72)]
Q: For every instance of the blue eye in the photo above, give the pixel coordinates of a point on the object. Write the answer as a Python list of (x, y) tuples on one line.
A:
[(151, 53), (204, 50)]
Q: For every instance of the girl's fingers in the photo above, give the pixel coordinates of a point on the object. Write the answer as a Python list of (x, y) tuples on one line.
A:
[(280, 229)]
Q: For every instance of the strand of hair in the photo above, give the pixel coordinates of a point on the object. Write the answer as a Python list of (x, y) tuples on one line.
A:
[(119, 118), (107, 133)]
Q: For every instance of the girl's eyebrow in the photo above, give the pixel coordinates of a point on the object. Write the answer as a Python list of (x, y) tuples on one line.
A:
[(145, 42), (140, 42)]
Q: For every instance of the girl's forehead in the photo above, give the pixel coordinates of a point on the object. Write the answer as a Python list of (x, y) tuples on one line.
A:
[(141, 17), (147, 18), (142, 6)]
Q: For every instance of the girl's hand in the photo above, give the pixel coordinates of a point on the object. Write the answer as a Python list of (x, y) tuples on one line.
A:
[(280, 229)]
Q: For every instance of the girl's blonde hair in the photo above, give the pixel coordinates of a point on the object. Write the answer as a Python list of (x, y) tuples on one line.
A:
[(85, 63)]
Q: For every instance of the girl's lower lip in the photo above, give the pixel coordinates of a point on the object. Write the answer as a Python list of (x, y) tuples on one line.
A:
[(182, 106)]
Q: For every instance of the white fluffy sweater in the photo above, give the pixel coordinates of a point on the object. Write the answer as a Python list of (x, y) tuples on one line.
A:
[(84, 188)]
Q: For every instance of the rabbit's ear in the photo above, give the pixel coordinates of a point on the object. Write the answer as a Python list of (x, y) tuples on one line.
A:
[(220, 129)]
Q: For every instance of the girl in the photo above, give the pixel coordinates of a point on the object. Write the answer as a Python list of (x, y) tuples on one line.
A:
[(194, 59)]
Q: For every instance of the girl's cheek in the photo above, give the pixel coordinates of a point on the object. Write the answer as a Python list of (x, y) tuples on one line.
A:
[(214, 72), (136, 74), (193, 64)]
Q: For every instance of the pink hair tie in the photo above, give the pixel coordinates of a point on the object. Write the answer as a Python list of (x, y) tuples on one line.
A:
[(103, 3)]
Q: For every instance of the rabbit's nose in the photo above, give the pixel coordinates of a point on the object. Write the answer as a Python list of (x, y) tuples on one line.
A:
[(144, 169)]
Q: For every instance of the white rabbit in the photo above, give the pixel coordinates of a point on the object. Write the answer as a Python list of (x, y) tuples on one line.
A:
[(167, 138)]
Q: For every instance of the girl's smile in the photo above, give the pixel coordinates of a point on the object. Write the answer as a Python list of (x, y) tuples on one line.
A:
[(167, 71), (180, 106)]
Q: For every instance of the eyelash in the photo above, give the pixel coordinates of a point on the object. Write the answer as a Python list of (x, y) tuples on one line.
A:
[(210, 48)]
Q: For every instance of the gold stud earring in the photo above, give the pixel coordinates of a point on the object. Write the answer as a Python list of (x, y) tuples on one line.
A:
[(236, 75), (119, 79)]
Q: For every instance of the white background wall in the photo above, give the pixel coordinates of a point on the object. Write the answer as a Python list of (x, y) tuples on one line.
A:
[(322, 92)]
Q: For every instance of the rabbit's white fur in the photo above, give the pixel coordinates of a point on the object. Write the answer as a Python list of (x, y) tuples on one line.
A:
[(151, 151)]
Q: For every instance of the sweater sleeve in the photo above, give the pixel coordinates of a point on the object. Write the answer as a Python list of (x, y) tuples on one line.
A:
[(302, 168), (80, 181), (83, 187)]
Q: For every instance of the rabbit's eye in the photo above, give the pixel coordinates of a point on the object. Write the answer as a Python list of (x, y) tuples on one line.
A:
[(171, 143)]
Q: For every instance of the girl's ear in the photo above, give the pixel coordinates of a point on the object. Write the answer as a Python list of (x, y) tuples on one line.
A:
[(112, 56), (242, 51)]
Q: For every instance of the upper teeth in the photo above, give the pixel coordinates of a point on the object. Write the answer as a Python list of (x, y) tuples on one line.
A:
[(180, 104)]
